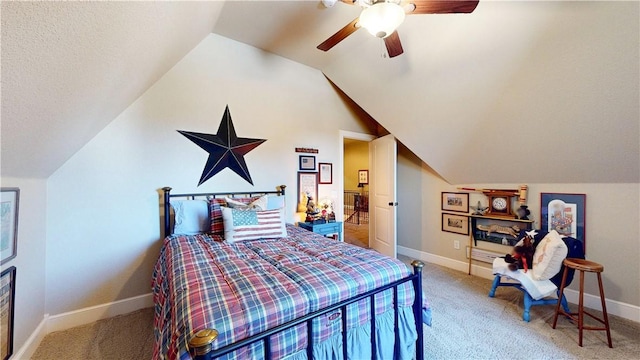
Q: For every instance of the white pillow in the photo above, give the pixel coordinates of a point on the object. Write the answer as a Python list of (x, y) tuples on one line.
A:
[(549, 255), (191, 217), (257, 204), (242, 224)]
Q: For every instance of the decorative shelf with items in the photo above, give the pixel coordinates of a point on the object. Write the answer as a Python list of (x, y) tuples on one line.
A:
[(497, 223), (497, 230)]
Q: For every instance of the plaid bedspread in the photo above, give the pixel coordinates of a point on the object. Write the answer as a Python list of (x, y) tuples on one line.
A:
[(247, 287)]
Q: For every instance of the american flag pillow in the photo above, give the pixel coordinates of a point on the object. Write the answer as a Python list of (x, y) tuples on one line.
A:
[(242, 224)]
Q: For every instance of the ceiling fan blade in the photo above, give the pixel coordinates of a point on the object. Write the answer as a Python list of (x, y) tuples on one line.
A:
[(442, 6), (394, 46), (340, 35)]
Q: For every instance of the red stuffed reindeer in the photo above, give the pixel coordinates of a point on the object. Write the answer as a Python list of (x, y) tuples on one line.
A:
[(522, 255)]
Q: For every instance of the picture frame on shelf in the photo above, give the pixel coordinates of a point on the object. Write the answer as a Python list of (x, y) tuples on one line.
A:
[(564, 213), (455, 201), (363, 176), (455, 223), (7, 299), (307, 185), (9, 210), (307, 163), (325, 173)]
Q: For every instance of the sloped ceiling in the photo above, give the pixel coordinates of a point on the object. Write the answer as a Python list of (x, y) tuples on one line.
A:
[(516, 92), (70, 68)]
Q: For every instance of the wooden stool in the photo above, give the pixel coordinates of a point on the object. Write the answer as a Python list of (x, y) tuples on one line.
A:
[(582, 266)]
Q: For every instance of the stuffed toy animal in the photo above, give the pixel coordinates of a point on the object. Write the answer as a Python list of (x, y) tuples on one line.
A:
[(522, 255)]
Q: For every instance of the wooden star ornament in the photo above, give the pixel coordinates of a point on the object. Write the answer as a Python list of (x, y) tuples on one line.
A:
[(225, 148)]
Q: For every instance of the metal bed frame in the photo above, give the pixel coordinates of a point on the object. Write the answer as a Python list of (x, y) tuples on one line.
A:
[(201, 343)]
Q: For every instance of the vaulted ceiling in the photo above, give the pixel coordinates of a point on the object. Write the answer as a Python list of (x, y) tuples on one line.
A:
[(516, 92)]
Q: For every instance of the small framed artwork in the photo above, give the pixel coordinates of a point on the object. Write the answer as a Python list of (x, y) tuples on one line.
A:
[(7, 299), (564, 213), (307, 163), (454, 223), (307, 186), (452, 201), (9, 225), (326, 173), (363, 176)]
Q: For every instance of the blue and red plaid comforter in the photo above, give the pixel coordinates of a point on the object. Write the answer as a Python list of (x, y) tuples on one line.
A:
[(247, 287)]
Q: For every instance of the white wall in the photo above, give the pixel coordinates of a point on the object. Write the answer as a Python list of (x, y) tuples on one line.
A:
[(30, 259), (104, 228)]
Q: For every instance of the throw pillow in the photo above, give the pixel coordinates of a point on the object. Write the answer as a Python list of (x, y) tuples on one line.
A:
[(215, 210), (548, 257), (190, 217), (275, 202), (247, 203), (242, 224)]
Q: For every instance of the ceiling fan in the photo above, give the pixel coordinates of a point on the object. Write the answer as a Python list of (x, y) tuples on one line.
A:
[(382, 17)]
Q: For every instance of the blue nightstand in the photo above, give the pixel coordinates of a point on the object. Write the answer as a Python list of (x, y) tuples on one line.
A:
[(324, 229)]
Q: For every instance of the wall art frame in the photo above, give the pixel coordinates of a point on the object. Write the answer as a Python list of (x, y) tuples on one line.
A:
[(307, 186), (325, 171), (564, 213), (307, 163), (363, 176), (9, 210), (455, 201), (7, 299), (455, 223)]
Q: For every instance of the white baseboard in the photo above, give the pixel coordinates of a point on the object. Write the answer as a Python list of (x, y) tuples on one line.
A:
[(80, 317), (32, 343), (624, 310), (94, 313)]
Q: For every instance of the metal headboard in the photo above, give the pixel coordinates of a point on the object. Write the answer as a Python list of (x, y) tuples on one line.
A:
[(168, 196)]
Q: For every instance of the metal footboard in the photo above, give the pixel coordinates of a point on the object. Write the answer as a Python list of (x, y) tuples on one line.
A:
[(200, 345)]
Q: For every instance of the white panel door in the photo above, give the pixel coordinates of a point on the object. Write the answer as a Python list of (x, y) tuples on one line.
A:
[(382, 195)]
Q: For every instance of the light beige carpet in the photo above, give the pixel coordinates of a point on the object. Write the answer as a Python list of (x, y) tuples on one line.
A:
[(118, 338), (356, 234), (467, 324)]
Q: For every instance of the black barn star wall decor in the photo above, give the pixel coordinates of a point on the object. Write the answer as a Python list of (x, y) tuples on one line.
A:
[(226, 150)]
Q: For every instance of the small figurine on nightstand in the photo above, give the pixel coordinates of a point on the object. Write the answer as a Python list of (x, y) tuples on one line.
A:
[(311, 209)]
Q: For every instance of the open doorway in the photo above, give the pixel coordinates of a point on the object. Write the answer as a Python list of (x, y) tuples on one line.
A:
[(356, 191)]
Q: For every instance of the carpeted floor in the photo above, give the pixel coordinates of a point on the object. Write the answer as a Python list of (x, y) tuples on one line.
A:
[(467, 324), (118, 338), (356, 234)]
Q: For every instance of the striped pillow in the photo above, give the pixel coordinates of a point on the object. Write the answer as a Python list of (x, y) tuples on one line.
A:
[(250, 225)]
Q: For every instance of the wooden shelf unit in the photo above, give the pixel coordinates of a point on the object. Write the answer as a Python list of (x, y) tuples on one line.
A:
[(495, 229)]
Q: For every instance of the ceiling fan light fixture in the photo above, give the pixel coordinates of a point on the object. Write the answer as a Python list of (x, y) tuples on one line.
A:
[(382, 18)]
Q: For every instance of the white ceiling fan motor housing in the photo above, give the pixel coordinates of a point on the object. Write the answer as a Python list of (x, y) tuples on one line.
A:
[(329, 3)]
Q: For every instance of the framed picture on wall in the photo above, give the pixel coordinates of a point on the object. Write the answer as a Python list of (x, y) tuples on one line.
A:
[(7, 300), (307, 163), (307, 186), (326, 173), (564, 213), (454, 223), (9, 226), (453, 201), (363, 176)]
